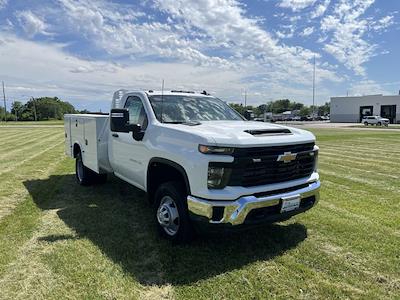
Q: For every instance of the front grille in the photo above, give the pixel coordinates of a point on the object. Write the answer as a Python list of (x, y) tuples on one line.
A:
[(259, 165)]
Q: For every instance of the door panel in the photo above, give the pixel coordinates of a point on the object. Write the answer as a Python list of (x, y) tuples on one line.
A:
[(130, 156), (389, 112)]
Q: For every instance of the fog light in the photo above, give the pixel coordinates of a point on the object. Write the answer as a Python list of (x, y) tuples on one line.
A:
[(217, 177)]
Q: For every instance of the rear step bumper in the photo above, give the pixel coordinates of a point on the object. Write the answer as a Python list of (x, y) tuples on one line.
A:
[(251, 209)]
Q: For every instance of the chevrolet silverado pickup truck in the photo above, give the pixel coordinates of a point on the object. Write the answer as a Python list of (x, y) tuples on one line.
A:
[(202, 165)]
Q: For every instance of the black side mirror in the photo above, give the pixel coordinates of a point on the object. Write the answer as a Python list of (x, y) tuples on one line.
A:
[(137, 132), (119, 120)]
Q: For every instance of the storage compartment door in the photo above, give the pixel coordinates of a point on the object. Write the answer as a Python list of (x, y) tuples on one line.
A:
[(90, 158), (67, 136)]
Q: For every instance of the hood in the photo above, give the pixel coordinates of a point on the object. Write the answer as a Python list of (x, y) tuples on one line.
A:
[(246, 133)]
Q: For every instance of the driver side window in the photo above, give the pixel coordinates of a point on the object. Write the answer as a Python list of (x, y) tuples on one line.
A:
[(137, 114)]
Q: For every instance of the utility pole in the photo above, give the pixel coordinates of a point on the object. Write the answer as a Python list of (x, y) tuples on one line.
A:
[(313, 91), (245, 98), (5, 106)]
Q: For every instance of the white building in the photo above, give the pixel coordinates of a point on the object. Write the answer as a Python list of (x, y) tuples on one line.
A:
[(352, 109)]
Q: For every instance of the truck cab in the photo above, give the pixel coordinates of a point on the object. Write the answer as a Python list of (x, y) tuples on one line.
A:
[(201, 163)]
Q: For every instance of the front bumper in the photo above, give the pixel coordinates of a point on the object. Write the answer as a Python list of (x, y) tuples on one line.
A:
[(254, 208)]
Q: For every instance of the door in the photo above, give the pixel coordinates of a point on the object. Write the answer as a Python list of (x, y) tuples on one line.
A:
[(366, 111), (130, 157), (389, 112)]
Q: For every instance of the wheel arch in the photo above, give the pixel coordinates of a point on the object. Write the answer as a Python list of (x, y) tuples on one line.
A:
[(76, 149), (155, 176)]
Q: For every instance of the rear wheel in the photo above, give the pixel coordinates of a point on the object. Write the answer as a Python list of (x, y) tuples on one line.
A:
[(171, 212), (83, 174), (366, 123)]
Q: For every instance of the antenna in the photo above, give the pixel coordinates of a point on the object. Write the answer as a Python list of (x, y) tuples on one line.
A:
[(162, 100)]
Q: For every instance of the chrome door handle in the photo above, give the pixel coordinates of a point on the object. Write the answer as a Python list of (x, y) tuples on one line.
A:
[(115, 135)]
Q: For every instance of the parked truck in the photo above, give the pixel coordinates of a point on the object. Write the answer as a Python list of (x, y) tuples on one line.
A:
[(202, 165)]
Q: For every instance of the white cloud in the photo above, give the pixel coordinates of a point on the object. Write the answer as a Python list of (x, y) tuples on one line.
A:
[(383, 23), (348, 43), (226, 24), (82, 81), (296, 5), (3, 4), (320, 9), (107, 27), (367, 87), (31, 23), (307, 31), (203, 44)]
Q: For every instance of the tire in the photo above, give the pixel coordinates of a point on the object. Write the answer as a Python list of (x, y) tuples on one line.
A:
[(366, 123), (379, 124), (99, 178), (171, 212), (83, 174)]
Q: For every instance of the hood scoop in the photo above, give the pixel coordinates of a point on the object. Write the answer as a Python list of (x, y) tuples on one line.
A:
[(267, 132)]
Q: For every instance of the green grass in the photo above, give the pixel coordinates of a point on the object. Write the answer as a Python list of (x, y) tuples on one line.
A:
[(50, 122), (59, 240)]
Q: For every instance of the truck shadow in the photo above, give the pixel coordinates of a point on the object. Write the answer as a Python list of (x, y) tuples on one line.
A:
[(118, 220)]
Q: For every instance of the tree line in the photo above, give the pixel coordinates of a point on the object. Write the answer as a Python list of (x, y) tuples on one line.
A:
[(38, 109), (282, 105)]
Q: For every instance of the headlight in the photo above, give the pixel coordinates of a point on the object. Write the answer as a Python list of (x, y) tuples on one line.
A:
[(215, 150), (217, 177)]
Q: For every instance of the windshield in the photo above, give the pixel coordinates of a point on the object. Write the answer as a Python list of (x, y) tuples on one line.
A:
[(183, 109)]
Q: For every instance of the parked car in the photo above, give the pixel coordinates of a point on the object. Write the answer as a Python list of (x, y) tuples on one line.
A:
[(200, 162), (375, 120)]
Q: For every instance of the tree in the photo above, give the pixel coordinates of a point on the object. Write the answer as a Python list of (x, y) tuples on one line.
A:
[(304, 111), (44, 108), (323, 110), (238, 107), (16, 109)]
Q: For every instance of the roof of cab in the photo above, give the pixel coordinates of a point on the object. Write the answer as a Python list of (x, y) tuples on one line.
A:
[(177, 92)]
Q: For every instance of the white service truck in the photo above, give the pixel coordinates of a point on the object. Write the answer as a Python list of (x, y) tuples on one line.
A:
[(201, 163)]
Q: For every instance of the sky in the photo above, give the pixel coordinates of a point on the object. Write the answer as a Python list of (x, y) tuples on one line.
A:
[(83, 50)]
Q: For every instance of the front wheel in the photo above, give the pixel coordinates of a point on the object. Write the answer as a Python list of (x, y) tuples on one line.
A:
[(366, 123), (171, 212), (379, 124)]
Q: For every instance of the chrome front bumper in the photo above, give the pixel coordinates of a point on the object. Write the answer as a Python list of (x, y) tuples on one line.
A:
[(236, 211)]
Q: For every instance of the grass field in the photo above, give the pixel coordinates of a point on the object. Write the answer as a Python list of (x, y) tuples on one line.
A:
[(59, 240), (47, 123)]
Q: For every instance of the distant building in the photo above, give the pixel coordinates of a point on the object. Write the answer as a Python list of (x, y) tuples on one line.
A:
[(353, 109)]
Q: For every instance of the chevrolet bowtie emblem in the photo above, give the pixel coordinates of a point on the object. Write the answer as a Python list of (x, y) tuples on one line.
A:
[(287, 157)]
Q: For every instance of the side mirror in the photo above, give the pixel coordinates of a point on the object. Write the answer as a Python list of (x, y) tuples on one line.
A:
[(137, 132), (119, 120)]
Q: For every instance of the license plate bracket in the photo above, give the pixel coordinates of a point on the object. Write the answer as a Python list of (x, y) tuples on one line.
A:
[(290, 203)]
